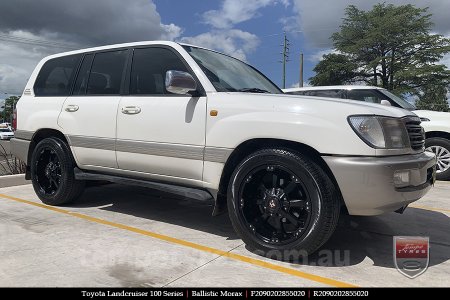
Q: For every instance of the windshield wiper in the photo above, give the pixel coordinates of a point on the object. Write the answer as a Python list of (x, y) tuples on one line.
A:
[(253, 90)]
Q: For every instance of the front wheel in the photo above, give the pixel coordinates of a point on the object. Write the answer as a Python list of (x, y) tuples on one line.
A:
[(52, 173), (282, 203), (441, 148)]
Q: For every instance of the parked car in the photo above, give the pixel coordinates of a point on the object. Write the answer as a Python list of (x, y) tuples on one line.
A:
[(202, 124), (436, 124), (6, 133), (6, 125)]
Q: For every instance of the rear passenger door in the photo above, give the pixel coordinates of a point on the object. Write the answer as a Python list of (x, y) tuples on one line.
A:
[(160, 133), (88, 116)]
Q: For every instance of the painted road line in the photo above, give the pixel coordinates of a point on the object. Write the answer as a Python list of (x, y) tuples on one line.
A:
[(431, 208), (238, 257)]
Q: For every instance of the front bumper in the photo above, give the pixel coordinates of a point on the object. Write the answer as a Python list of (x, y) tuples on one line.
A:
[(368, 186)]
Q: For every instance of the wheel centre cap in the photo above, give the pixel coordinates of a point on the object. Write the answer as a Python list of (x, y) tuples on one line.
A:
[(273, 204), (49, 169)]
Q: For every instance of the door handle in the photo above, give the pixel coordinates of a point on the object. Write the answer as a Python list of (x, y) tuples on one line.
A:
[(72, 108), (131, 110)]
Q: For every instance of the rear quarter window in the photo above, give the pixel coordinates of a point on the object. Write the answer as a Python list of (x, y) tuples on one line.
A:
[(56, 76)]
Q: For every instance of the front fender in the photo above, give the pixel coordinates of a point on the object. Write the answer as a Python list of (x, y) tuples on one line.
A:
[(324, 135)]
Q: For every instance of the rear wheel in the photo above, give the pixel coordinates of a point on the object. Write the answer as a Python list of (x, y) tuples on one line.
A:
[(441, 148), (282, 203), (52, 173)]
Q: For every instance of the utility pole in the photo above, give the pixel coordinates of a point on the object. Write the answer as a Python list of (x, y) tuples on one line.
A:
[(300, 82), (285, 57), (4, 108)]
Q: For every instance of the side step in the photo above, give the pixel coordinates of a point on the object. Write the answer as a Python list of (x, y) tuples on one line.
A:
[(193, 193)]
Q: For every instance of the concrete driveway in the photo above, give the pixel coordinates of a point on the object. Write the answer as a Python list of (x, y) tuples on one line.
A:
[(130, 236)]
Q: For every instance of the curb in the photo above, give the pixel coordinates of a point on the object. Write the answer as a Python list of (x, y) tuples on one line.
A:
[(13, 180)]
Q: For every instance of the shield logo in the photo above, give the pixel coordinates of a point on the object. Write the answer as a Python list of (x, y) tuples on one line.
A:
[(411, 255)]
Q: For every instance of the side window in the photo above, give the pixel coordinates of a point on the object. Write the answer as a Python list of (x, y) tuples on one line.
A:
[(148, 71), (106, 73), (83, 75), (326, 93), (56, 76), (364, 95)]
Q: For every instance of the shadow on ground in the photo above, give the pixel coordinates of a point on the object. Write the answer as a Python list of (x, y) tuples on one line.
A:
[(355, 239)]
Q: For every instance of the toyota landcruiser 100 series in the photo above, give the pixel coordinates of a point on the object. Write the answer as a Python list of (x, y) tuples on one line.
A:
[(196, 122)]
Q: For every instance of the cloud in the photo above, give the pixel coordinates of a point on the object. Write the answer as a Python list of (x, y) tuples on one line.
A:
[(319, 19), (35, 29), (85, 22), (317, 56), (234, 42), (233, 12), (446, 60)]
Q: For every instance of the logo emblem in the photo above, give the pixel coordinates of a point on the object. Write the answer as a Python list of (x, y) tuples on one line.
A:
[(272, 203), (411, 255)]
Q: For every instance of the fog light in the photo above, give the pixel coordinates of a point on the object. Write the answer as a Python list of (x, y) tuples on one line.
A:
[(401, 178)]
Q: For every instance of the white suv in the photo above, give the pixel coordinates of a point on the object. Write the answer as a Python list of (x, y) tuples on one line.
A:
[(196, 122), (435, 123)]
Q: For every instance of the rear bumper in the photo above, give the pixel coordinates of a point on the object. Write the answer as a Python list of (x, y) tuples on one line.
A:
[(371, 185), (19, 148)]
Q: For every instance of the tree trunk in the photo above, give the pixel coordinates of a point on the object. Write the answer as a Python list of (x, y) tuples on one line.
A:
[(391, 71), (375, 76), (384, 76)]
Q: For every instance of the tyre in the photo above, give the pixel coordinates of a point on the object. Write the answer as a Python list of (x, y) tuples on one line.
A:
[(52, 173), (441, 148), (282, 204)]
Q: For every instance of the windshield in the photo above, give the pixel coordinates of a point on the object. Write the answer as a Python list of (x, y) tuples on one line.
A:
[(403, 103), (228, 74)]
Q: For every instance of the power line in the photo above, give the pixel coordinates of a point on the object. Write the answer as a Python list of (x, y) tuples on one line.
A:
[(36, 42)]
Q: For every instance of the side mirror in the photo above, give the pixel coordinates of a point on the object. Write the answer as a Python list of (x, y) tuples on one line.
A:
[(385, 103), (179, 82)]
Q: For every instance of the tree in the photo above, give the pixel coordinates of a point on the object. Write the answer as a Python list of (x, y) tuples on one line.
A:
[(434, 98), (334, 69), (391, 46), (8, 108)]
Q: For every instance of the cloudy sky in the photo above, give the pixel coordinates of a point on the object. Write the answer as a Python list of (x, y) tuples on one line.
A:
[(248, 29)]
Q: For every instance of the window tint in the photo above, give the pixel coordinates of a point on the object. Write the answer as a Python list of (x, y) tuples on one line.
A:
[(106, 73), (325, 93), (148, 72), (83, 75), (364, 95), (56, 76)]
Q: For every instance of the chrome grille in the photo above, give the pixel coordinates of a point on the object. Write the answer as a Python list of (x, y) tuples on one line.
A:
[(415, 132)]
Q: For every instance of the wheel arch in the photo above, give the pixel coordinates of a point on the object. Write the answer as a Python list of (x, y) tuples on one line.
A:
[(38, 136), (252, 145), (438, 134)]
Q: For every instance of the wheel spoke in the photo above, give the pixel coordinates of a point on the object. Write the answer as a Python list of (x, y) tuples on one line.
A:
[(299, 203), (274, 180), (289, 217)]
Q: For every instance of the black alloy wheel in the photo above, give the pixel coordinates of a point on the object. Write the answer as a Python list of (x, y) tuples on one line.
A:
[(52, 172), (280, 200)]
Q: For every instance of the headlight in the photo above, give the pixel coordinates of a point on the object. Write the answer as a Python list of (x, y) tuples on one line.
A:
[(380, 132)]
